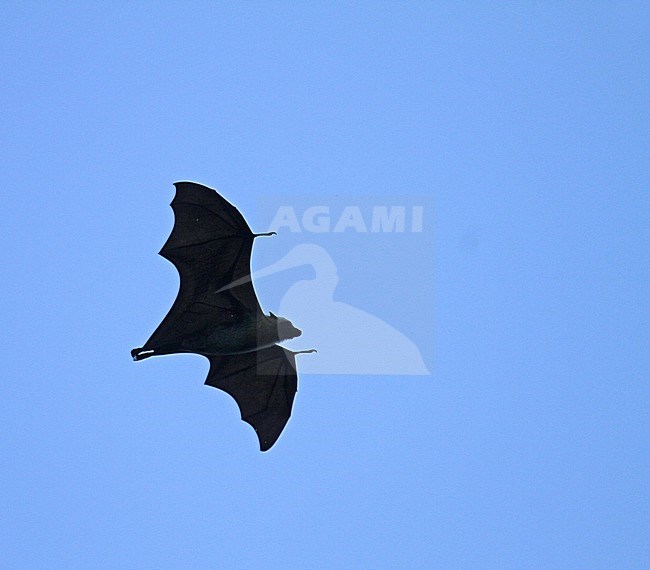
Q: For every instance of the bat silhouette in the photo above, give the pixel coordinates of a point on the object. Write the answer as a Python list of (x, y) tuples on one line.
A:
[(217, 314)]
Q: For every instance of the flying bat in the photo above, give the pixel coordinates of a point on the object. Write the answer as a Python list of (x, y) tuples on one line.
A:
[(217, 315)]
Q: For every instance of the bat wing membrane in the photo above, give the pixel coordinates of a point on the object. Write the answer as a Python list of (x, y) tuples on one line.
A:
[(210, 245), (263, 383)]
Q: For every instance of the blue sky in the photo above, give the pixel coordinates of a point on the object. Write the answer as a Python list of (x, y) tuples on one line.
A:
[(522, 129)]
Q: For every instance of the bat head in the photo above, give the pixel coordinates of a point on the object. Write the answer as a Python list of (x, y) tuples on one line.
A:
[(286, 330)]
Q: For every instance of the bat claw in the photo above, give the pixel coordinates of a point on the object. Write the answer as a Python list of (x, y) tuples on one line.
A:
[(139, 354)]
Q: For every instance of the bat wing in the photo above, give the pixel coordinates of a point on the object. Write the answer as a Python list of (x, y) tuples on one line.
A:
[(210, 246), (263, 383)]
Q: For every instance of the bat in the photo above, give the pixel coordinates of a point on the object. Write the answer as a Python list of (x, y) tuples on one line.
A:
[(217, 314)]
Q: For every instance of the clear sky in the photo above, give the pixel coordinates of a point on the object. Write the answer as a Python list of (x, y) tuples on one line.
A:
[(520, 129)]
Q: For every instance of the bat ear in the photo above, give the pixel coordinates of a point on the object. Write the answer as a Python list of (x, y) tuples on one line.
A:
[(273, 316)]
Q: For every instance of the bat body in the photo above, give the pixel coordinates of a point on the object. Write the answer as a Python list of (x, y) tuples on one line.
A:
[(217, 314)]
